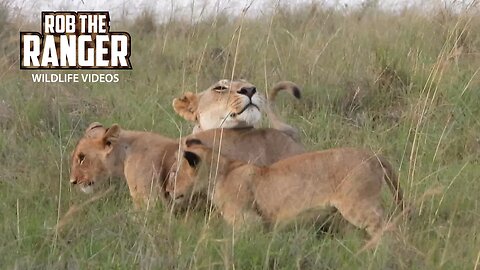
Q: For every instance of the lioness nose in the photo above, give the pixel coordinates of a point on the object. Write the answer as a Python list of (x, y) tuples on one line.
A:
[(248, 91), (73, 181)]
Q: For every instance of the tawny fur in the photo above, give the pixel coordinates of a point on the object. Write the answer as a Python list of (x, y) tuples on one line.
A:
[(144, 158), (347, 179)]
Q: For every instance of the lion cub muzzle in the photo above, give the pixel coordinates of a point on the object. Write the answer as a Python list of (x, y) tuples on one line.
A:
[(170, 191), (85, 185)]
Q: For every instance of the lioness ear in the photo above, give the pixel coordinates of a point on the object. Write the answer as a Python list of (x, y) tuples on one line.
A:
[(111, 135), (186, 106), (192, 158)]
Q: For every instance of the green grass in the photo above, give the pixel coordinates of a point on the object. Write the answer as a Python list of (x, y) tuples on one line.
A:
[(373, 79)]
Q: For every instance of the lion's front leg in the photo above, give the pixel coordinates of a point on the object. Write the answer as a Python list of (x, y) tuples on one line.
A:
[(239, 217), (140, 196), (235, 203), (143, 187), (233, 215), (143, 198)]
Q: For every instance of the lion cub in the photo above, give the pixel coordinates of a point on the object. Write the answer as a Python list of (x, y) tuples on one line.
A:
[(347, 179)]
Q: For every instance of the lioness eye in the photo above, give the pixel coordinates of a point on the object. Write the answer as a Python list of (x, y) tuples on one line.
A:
[(220, 88), (81, 158)]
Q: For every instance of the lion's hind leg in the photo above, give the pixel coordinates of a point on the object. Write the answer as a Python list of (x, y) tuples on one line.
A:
[(367, 214)]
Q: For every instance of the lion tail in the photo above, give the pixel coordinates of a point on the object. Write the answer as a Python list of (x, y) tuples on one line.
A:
[(391, 179), (277, 123), (288, 86)]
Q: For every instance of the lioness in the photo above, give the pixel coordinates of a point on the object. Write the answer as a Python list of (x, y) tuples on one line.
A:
[(144, 158), (233, 104), (347, 179)]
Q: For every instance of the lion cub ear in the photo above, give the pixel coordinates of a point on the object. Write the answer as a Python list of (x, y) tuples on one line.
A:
[(186, 106), (191, 158), (111, 135)]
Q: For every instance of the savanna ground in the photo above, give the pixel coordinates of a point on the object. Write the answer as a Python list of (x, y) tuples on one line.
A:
[(403, 83)]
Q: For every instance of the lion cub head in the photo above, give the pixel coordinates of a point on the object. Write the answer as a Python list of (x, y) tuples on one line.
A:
[(189, 175), (94, 157), (226, 104)]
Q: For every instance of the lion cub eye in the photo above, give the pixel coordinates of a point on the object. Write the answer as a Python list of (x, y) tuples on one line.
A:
[(220, 88), (81, 158)]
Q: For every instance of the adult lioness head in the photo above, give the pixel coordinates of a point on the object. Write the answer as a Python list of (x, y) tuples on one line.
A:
[(93, 157), (228, 104)]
